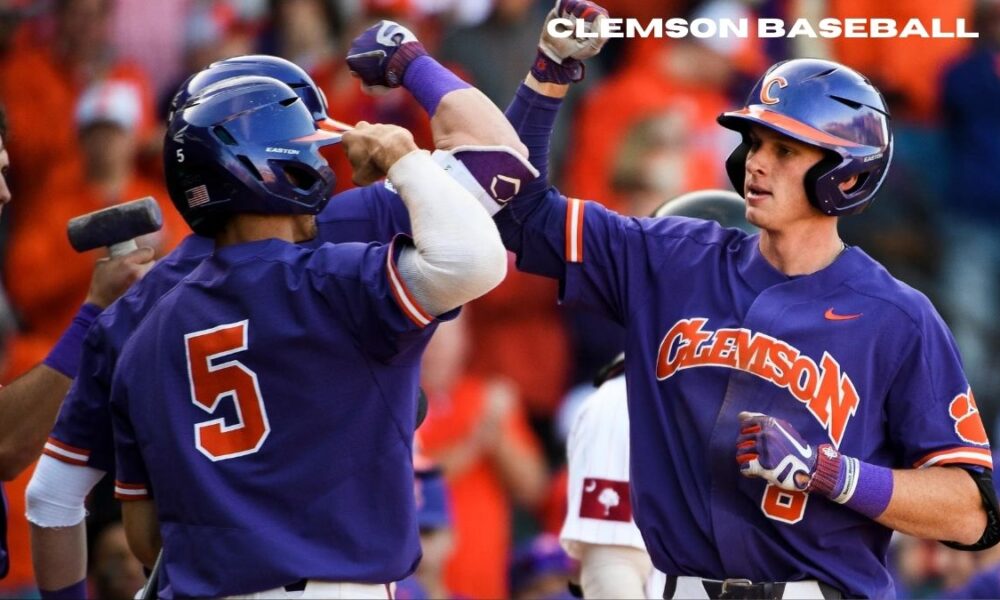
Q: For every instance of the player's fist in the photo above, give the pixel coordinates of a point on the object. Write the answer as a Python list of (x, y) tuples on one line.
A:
[(113, 276), (381, 54), (373, 149), (584, 14), (772, 449)]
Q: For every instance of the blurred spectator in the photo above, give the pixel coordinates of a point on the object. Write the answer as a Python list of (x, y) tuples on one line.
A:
[(970, 215), (46, 279), (518, 310), (40, 84), (155, 48), (437, 538), (541, 569), (906, 70), (475, 430), (511, 32), (684, 84), (115, 573)]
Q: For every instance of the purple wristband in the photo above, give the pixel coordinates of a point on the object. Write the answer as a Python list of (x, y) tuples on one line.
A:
[(65, 355), (429, 81), (547, 70), (861, 486), (71, 592)]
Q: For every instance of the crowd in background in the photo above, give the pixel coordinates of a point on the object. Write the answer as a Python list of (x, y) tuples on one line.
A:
[(86, 84)]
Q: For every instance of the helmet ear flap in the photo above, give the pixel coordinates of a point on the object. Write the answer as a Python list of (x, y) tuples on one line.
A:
[(736, 165)]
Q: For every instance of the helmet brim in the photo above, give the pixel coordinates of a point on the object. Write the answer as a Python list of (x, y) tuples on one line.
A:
[(320, 137), (739, 120)]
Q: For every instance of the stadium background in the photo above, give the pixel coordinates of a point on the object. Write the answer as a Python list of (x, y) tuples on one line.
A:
[(85, 83)]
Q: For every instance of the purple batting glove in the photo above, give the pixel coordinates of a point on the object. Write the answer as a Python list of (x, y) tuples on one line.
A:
[(772, 449), (381, 54)]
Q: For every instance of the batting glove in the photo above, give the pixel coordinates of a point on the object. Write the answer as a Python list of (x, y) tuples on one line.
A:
[(772, 449), (381, 54), (560, 59)]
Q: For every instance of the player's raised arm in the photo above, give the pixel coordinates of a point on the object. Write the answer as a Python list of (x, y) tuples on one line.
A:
[(457, 254)]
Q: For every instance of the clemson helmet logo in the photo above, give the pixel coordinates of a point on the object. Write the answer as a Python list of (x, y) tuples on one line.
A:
[(968, 423), (765, 90)]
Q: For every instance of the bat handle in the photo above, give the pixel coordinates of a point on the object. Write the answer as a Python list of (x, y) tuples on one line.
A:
[(123, 248)]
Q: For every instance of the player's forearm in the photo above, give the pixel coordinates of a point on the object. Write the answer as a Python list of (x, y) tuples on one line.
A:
[(608, 571), (938, 503), (28, 409), (458, 253), (522, 471), (59, 555), (142, 529), (468, 118), (533, 117)]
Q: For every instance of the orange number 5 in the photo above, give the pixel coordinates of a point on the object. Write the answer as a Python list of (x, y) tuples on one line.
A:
[(213, 381)]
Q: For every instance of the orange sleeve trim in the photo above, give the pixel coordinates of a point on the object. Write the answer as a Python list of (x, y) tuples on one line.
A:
[(130, 491), (65, 452), (404, 299), (960, 455), (574, 230)]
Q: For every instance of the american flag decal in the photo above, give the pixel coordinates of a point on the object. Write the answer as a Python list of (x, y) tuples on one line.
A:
[(197, 196)]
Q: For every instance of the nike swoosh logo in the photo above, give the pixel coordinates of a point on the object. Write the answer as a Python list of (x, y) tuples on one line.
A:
[(832, 316), (804, 451)]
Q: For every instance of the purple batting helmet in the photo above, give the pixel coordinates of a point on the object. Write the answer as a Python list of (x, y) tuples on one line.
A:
[(245, 145), (831, 107)]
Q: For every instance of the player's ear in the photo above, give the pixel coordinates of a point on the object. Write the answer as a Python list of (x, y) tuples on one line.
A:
[(848, 183)]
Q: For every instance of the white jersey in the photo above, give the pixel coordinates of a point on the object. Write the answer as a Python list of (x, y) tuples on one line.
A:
[(599, 510)]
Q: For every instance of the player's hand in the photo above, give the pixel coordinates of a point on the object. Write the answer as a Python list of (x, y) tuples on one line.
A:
[(772, 449), (113, 276), (373, 149), (381, 54), (560, 49)]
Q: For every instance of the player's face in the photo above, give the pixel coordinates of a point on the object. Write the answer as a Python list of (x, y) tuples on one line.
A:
[(4, 168), (775, 179)]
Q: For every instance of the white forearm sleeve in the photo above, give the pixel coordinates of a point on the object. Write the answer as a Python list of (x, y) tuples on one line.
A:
[(613, 571), (55, 496), (458, 254)]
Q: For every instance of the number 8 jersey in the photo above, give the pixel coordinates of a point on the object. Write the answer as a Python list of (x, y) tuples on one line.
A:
[(266, 404), (848, 355)]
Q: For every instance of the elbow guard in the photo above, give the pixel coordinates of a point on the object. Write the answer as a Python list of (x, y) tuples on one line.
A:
[(991, 535), (57, 491)]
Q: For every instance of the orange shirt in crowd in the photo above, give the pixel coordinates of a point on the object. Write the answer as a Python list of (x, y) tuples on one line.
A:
[(907, 70), (619, 103), (520, 335), (480, 505), (45, 278), (40, 98)]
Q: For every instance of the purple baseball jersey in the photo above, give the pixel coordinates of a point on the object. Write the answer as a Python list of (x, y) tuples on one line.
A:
[(275, 431), (848, 355), (82, 434)]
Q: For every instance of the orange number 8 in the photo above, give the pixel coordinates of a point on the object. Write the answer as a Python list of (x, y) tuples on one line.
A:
[(781, 505)]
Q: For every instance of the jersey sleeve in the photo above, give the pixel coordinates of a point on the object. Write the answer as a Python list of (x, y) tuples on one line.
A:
[(599, 510), (388, 322), (605, 262), (933, 417), (372, 213), (82, 434), (131, 478)]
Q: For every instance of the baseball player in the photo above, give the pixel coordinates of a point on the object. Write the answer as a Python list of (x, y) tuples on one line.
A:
[(794, 403), (257, 404), (599, 530), (79, 451), (28, 406)]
